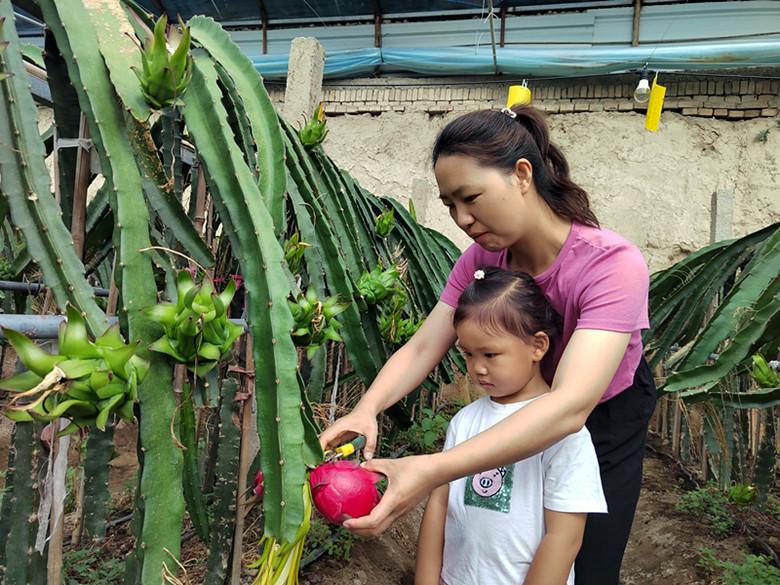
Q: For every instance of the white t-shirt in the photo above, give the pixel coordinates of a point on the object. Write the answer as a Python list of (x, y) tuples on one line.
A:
[(495, 519)]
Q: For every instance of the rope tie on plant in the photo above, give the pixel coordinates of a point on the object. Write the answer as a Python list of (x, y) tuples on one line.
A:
[(53, 490)]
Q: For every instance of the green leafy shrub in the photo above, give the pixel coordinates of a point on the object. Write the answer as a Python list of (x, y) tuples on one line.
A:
[(709, 504), (742, 493), (337, 542), (754, 570), (88, 566), (426, 433)]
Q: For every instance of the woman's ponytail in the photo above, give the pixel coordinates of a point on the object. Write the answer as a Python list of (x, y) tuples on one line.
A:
[(564, 196), (498, 140)]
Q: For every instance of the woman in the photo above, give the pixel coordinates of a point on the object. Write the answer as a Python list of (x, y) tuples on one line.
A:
[(508, 188)]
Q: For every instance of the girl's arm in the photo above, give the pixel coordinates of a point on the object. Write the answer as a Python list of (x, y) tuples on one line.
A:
[(430, 544), (588, 364), (558, 549), (403, 372)]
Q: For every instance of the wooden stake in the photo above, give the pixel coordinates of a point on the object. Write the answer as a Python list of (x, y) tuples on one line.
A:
[(635, 23), (80, 187), (77, 230), (113, 291), (200, 201), (244, 461), (676, 426), (756, 428), (78, 497), (665, 420), (703, 466)]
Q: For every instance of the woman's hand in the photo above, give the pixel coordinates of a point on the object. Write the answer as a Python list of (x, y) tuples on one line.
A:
[(587, 366), (409, 480), (360, 421)]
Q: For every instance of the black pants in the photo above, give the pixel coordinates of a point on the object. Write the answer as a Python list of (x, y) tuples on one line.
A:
[(618, 428)]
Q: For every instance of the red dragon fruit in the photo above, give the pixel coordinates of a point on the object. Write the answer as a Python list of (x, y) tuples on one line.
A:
[(343, 490), (258, 490)]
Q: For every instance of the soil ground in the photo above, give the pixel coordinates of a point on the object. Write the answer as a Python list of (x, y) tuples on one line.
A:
[(663, 549)]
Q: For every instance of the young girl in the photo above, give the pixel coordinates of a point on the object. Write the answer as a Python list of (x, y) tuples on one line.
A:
[(508, 187), (521, 523)]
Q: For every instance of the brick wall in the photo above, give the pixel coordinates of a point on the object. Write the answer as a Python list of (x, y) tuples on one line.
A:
[(719, 97)]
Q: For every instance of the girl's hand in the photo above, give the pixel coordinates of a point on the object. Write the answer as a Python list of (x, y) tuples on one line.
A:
[(409, 480), (357, 422)]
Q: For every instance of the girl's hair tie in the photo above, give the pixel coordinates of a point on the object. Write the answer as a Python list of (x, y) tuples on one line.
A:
[(479, 275), (511, 113)]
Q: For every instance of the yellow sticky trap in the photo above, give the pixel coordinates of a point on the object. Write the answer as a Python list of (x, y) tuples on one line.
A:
[(655, 105), (519, 95)]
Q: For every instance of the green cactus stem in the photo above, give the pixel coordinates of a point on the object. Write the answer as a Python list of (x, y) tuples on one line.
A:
[(25, 183), (23, 503), (288, 442), (65, 104), (259, 109), (99, 452), (109, 128), (229, 445), (193, 495), (318, 231)]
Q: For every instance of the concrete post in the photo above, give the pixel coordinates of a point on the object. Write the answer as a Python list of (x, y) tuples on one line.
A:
[(421, 194), (721, 228), (304, 79), (721, 215)]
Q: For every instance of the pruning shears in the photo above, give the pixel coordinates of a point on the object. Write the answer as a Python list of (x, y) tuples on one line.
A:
[(345, 450)]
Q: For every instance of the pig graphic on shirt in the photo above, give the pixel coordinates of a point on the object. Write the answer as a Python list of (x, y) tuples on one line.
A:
[(488, 483)]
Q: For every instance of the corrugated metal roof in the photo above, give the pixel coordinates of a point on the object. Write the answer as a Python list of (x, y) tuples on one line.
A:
[(674, 23), (315, 11), (680, 36)]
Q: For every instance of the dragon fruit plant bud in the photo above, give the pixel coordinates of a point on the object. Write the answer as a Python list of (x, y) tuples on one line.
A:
[(165, 75), (314, 131)]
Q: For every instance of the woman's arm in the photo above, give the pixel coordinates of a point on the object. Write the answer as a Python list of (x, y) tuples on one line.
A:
[(558, 549), (588, 364), (403, 372), (430, 544)]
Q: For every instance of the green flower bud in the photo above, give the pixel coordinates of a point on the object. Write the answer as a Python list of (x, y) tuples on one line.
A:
[(314, 130)]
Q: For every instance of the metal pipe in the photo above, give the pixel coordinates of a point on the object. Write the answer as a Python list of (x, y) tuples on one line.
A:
[(46, 326), (34, 288)]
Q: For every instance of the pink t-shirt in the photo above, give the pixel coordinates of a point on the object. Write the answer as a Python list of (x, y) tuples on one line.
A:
[(598, 281)]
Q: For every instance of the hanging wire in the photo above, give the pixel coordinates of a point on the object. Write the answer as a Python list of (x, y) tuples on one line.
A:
[(479, 34), (317, 14), (491, 15)]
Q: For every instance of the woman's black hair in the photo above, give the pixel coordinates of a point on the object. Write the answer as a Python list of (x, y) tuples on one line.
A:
[(495, 139), (506, 301)]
